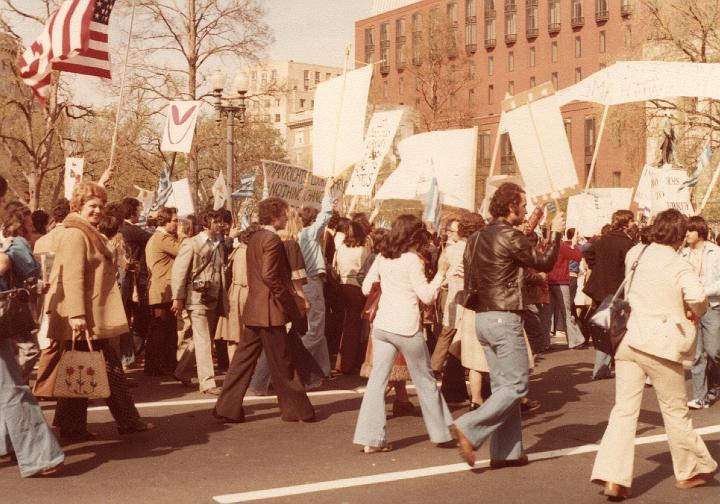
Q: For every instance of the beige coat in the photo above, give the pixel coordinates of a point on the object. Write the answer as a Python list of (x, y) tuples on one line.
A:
[(83, 283), (663, 284), (230, 327), (49, 242), (160, 253), (194, 252)]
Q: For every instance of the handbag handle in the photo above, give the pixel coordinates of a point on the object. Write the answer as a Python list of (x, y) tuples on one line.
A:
[(87, 338), (629, 280)]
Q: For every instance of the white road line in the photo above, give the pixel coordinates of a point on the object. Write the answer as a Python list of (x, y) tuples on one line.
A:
[(273, 493), (191, 402)]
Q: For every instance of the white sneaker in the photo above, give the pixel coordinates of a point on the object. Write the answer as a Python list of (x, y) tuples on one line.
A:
[(698, 404)]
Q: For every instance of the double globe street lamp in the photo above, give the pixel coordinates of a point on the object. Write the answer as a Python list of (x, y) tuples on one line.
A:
[(230, 107)]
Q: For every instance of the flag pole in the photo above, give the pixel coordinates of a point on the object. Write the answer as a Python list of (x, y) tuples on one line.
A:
[(113, 144), (709, 191), (596, 149)]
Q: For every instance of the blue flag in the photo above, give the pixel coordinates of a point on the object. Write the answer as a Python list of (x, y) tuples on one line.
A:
[(702, 163), (164, 192), (432, 205), (247, 186)]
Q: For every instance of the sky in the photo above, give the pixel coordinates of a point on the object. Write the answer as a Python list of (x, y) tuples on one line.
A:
[(314, 31)]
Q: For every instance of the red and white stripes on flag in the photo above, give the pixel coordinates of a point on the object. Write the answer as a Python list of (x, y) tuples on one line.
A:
[(77, 29)]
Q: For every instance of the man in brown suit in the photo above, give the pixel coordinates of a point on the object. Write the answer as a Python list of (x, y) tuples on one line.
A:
[(270, 305), (160, 253)]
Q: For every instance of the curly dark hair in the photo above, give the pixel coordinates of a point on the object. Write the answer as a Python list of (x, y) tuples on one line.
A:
[(507, 194), (699, 224), (15, 220), (270, 209), (378, 237), (621, 219), (669, 227), (165, 215), (407, 232), (470, 223), (355, 235)]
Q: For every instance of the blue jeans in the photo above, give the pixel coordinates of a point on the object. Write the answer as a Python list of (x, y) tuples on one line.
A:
[(707, 355), (500, 334), (563, 306), (23, 428), (370, 429)]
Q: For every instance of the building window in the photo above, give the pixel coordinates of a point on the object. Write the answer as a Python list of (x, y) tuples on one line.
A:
[(471, 26), (417, 38), (485, 150), (568, 130), (507, 158), (386, 89), (510, 21), (302, 103), (554, 51), (511, 88), (317, 78), (306, 80), (603, 42), (491, 65), (273, 75), (511, 61), (589, 135), (627, 35), (491, 94), (553, 16), (577, 19), (471, 98), (532, 81), (532, 57), (277, 118), (328, 75), (578, 74), (531, 19), (452, 20), (400, 58), (471, 70), (555, 80), (601, 11), (369, 44), (578, 47), (490, 35), (616, 179), (401, 86), (385, 48)]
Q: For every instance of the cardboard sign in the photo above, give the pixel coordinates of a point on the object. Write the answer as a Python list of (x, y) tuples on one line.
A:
[(181, 198), (379, 138), (296, 185), (179, 128), (668, 191), (73, 174), (589, 212)]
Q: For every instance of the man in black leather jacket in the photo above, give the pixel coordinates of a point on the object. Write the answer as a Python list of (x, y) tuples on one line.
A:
[(495, 260)]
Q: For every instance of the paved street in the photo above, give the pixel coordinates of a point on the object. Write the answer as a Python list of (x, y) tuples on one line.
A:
[(190, 458)]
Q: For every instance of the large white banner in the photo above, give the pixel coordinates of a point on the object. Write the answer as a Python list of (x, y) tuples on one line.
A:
[(339, 122), (181, 198), (589, 212), (73, 174), (179, 126), (631, 81), (449, 156), (378, 140), (668, 192), (545, 159), (297, 185)]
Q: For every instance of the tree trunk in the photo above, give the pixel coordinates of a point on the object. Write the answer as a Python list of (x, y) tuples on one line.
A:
[(192, 169)]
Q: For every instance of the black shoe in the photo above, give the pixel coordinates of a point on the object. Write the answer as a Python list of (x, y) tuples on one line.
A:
[(77, 437), (136, 426), (224, 419), (499, 464)]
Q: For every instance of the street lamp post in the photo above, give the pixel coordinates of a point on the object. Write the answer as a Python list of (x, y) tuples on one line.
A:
[(230, 107)]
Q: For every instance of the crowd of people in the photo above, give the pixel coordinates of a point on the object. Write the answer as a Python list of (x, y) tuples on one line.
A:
[(301, 296)]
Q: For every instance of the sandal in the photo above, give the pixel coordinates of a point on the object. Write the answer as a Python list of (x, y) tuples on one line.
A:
[(377, 449), (49, 471)]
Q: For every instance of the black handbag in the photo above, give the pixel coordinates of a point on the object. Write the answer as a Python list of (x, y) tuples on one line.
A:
[(16, 317), (608, 324)]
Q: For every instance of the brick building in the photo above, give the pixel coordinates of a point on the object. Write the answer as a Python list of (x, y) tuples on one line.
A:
[(494, 47)]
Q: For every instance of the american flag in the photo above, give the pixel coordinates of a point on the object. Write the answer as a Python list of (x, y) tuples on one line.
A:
[(164, 192), (65, 35), (94, 59)]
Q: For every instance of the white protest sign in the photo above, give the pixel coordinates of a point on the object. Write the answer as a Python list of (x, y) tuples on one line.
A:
[(378, 140), (73, 174), (667, 192), (339, 122), (545, 159), (589, 212), (296, 185), (449, 156), (181, 198), (179, 126)]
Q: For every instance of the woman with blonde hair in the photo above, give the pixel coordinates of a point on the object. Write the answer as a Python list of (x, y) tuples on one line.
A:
[(84, 299)]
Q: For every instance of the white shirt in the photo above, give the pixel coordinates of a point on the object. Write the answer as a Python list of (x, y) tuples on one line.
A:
[(402, 282)]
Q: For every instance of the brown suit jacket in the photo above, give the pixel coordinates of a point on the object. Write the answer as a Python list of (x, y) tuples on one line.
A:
[(160, 253), (270, 301)]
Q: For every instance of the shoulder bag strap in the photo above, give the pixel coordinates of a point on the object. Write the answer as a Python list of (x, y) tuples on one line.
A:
[(628, 281), (207, 262)]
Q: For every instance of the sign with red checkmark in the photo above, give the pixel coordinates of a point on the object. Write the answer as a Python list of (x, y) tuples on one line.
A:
[(179, 126)]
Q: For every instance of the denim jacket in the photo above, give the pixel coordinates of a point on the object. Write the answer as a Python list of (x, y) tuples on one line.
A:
[(711, 271), (24, 265)]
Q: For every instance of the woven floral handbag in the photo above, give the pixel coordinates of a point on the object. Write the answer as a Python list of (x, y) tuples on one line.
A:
[(82, 374)]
